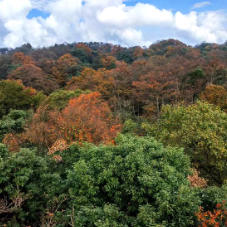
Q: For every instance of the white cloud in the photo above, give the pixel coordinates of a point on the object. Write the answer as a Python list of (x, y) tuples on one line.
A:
[(104, 21), (206, 26), (11, 9), (40, 4), (200, 5), (139, 15)]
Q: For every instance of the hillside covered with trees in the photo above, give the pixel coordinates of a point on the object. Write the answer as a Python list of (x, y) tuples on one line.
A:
[(95, 134)]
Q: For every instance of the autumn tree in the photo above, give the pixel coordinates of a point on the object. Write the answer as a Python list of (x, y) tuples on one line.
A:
[(216, 72), (109, 62), (216, 95), (138, 52), (33, 76), (153, 90), (65, 67), (86, 118), (46, 65), (83, 46), (83, 52), (90, 79), (85, 81), (196, 180), (21, 59), (213, 219)]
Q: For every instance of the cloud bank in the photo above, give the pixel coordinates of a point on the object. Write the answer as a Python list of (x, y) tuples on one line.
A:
[(104, 21)]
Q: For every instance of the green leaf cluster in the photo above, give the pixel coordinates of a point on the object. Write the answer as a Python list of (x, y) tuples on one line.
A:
[(13, 96), (200, 129), (135, 183), (13, 122), (59, 99), (146, 183)]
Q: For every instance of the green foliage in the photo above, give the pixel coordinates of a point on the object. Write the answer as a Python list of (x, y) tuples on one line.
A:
[(5, 62), (38, 99), (125, 55), (13, 122), (211, 196), (194, 76), (130, 126), (59, 99), (201, 130), (146, 182), (27, 186), (82, 55), (15, 97), (12, 97), (136, 183)]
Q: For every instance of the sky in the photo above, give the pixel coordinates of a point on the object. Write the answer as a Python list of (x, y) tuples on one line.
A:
[(125, 22)]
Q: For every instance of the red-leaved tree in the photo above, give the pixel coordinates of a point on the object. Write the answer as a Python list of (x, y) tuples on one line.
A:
[(86, 118)]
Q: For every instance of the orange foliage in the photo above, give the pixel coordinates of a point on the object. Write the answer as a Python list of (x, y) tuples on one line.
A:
[(215, 219), (116, 49), (12, 142), (30, 91), (108, 62), (20, 58), (33, 76), (153, 89), (89, 79), (39, 131), (59, 145), (60, 71), (83, 46), (86, 118), (58, 158), (138, 52), (216, 95), (84, 81), (197, 181)]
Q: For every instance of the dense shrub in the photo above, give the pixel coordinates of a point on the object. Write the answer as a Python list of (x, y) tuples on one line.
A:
[(201, 130)]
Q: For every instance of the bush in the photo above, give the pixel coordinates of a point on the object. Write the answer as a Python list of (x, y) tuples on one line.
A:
[(13, 122), (201, 130), (146, 183)]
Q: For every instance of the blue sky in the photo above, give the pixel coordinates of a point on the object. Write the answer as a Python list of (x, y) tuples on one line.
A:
[(174, 5), (129, 23), (184, 6), (37, 13)]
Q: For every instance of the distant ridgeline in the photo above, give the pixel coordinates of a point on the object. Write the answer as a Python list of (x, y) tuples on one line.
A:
[(132, 79), (5, 50)]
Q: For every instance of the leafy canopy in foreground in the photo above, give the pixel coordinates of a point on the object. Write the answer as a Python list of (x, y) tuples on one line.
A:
[(201, 130), (137, 181)]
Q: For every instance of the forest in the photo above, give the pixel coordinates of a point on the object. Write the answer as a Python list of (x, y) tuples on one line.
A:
[(100, 135)]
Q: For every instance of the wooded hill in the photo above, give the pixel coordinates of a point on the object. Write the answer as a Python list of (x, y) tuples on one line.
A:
[(95, 134)]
